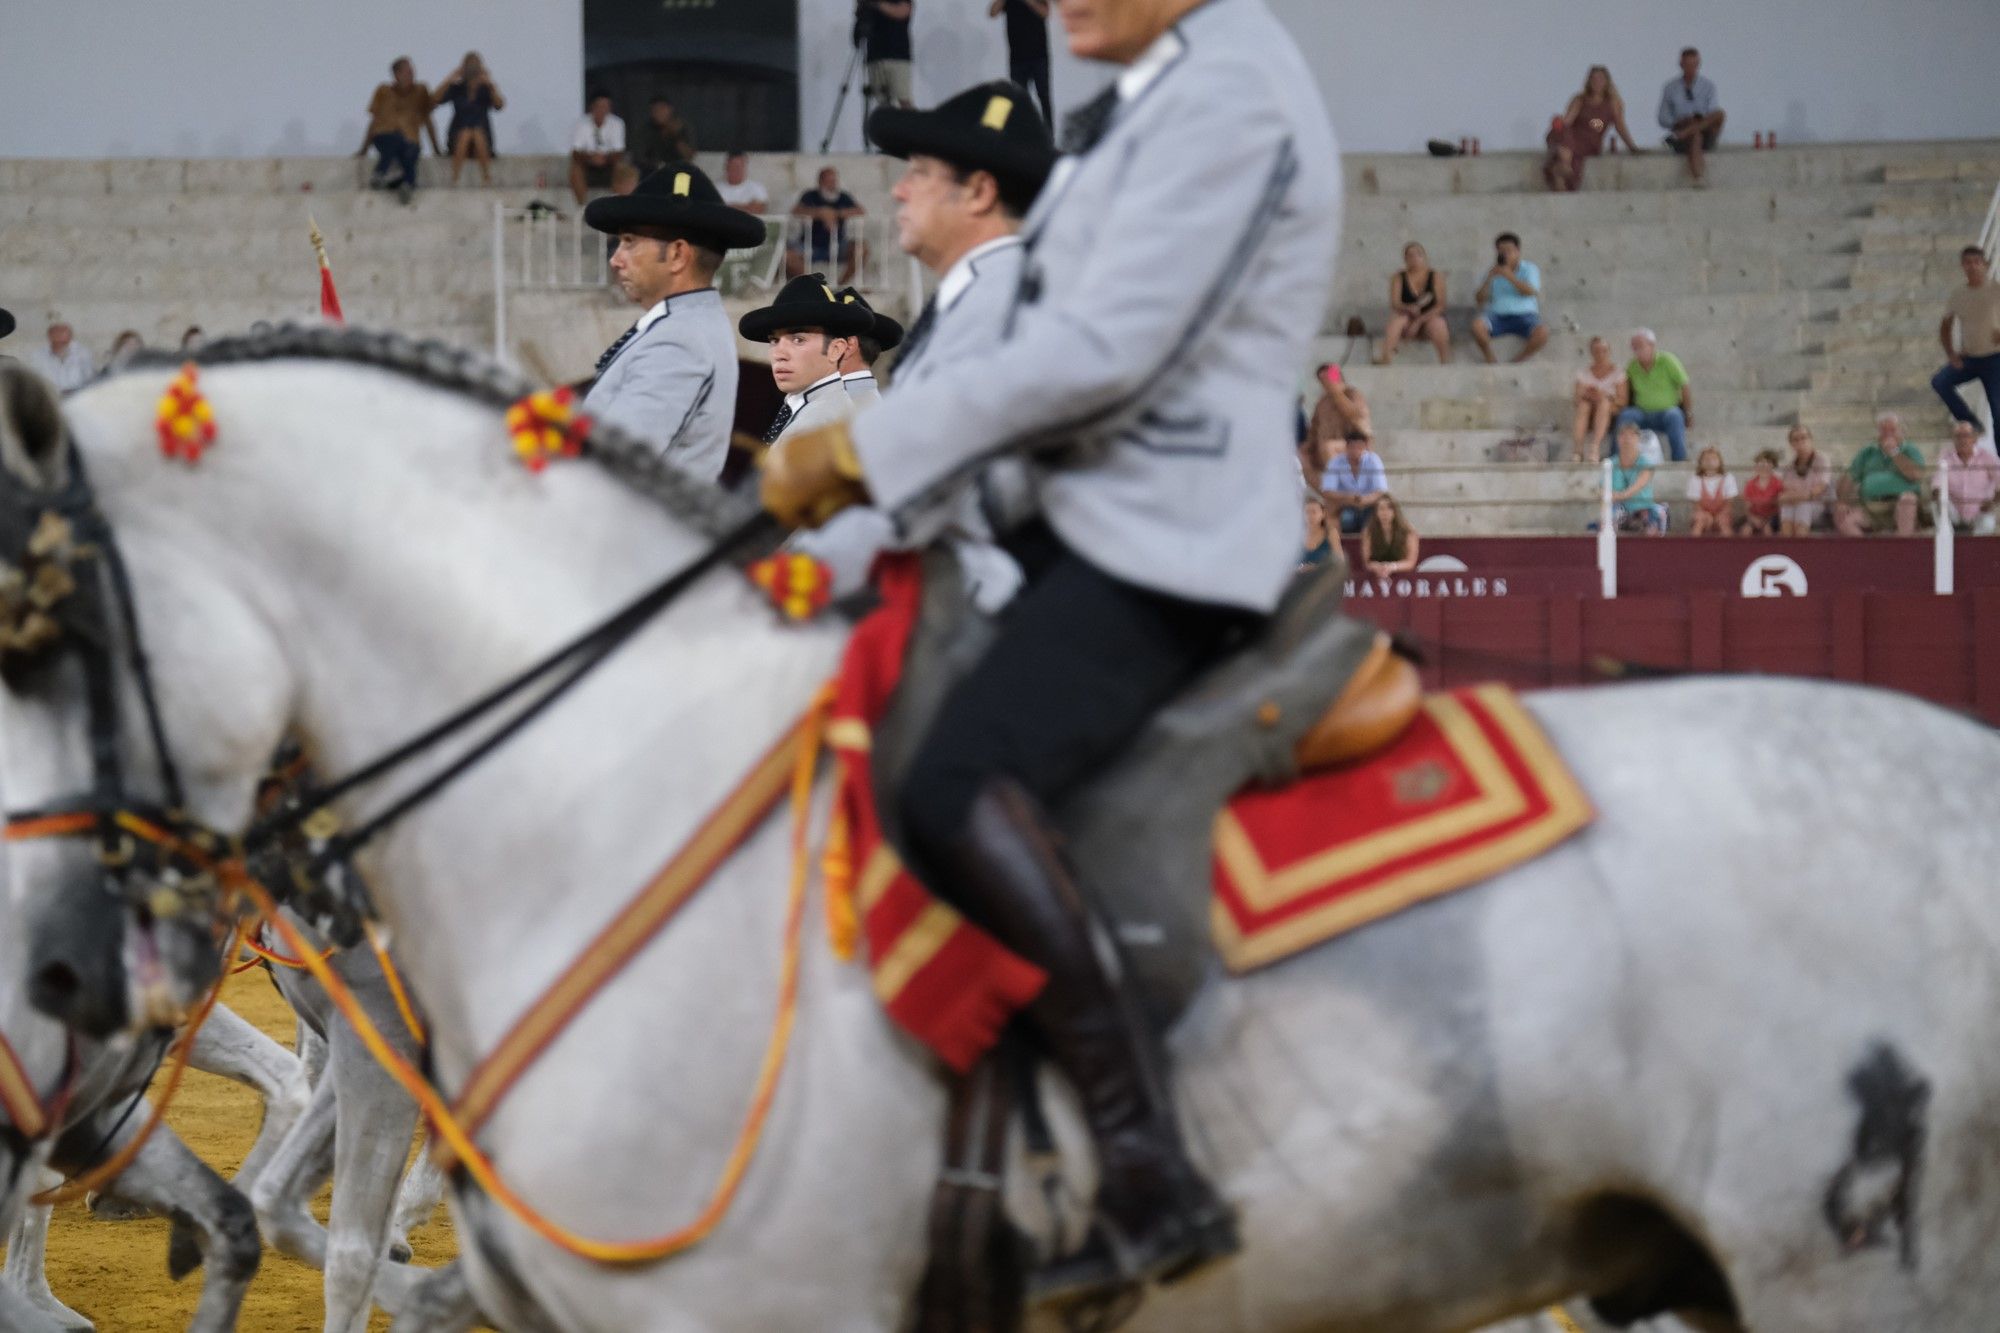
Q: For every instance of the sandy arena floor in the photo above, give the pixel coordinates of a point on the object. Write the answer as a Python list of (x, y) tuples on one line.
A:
[(116, 1272)]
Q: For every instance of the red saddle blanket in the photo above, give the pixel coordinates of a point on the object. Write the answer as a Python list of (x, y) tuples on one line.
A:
[(1471, 789)]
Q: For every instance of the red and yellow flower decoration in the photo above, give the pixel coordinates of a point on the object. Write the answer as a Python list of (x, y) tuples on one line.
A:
[(546, 425), (797, 585), (185, 421)]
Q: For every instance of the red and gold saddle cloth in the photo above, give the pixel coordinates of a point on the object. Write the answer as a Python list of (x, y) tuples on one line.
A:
[(1469, 790)]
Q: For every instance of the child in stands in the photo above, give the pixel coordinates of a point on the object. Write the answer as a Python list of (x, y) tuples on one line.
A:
[(1712, 490), (1760, 496)]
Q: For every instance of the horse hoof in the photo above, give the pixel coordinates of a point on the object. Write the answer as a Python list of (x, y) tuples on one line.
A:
[(183, 1251), (111, 1208), (400, 1253)]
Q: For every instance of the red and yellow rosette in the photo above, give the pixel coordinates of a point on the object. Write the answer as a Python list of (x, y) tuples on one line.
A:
[(797, 585), (184, 419), (546, 425)]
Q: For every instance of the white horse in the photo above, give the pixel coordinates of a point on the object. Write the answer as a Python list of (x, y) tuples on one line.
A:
[(1731, 1049)]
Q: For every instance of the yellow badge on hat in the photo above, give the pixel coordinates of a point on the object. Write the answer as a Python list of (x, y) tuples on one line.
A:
[(829, 293), (998, 110), (682, 182)]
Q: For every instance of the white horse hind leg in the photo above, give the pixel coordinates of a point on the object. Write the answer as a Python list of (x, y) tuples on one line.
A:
[(376, 1121), (423, 1186), (440, 1303), (27, 1259), (228, 1045), (280, 1193)]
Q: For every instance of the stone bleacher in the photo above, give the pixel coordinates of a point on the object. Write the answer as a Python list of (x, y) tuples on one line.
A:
[(1807, 284)]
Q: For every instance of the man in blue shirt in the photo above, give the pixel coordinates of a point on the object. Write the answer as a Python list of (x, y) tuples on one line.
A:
[(1510, 302), (1689, 115), (1353, 482)]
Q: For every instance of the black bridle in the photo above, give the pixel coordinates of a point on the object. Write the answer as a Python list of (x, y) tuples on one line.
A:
[(153, 854)]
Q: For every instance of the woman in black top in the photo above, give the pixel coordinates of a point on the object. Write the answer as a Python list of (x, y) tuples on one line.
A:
[(1416, 307), (474, 97)]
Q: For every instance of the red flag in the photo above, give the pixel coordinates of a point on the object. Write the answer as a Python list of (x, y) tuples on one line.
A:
[(329, 299)]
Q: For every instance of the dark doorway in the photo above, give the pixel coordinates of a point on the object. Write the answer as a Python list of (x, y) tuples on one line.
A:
[(731, 66)]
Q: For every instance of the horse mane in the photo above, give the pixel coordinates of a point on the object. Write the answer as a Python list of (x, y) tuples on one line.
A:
[(699, 503)]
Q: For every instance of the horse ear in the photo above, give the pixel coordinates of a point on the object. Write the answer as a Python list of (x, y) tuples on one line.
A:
[(33, 443)]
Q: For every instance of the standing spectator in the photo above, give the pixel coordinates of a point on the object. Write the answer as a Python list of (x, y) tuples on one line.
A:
[(1975, 308), (1658, 395), (65, 363), (1632, 505), (829, 209), (1416, 307), (1690, 117), (1808, 486), (1341, 410), (1972, 480), (124, 347), (665, 137), (1389, 544), (1353, 481), (886, 25), (1761, 496), (1579, 133), (1028, 47), (473, 97), (738, 190), (1510, 301), (1599, 392), (398, 114), (1712, 491), (1884, 484), (596, 148)]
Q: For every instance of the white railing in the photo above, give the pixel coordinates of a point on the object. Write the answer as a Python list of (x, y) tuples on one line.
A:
[(1943, 571), (1607, 540), (1989, 235)]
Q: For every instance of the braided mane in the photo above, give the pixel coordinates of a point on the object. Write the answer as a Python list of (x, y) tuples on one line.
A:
[(694, 501)]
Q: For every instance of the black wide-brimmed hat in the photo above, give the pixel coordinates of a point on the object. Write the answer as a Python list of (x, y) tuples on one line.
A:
[(6, 322), (808, 303), (886, 331), (993, 127), (679, 197)]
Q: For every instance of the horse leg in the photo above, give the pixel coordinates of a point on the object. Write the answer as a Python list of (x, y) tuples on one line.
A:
[(228, 1045), (18, 1316), (440, 1303), (376, 1121), (282, 1190), (423, 1186), (26, 1274), (311, 1048)]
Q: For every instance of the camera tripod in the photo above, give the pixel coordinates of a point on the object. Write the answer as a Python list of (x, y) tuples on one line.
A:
[(854, 63)]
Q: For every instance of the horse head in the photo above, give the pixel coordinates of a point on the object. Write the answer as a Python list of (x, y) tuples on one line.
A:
[(122, 931)]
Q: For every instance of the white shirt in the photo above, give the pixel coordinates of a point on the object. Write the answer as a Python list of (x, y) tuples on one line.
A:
[(960, 275), (795, 401), (738, 196), (590, 137), (72, 370), (649, 319)]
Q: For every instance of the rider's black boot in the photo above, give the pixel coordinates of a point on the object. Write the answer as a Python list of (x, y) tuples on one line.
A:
[(1156, 1218)]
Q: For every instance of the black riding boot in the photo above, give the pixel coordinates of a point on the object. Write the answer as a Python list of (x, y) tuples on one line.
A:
[(1155, 1219)]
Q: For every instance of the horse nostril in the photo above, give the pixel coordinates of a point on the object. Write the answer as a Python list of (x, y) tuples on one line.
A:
[(53, 989)]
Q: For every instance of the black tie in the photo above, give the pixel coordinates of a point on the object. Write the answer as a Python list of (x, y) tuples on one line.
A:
[(914, 339), (778, 424), (611, 352), (1087, 124)]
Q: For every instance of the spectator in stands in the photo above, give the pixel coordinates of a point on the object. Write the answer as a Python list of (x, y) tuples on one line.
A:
[(192, 338), (1632, 506), (1975, 308), (664, 138), (1658, 395), (65, 362), (1353, 481), (1972, 480), (596, 148), (6, 327), (1598, 394), (1690, 116), (1389, 545), (829, 209), (1319, 543), (1884, 484), (1416, 307), (124, 347), (1712, 492), (398, 115), (1579, 133), (1808, 486), (886, 32), (1028, 47), (1340, 410), (473, 97), (1762, 495), (1510, 302), (738, 190)]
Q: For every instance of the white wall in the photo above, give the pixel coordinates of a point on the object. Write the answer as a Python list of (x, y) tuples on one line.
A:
[(252, 78), (1396, 72)]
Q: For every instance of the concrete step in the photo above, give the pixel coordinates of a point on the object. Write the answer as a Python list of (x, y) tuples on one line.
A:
[(1476, 451), (1416, 377), (404, 279), (1501, 173), (1487, 518), (1466, 243), (1723, 349)]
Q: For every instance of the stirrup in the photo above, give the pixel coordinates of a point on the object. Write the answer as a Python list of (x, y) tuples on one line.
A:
[(1109, 1264)]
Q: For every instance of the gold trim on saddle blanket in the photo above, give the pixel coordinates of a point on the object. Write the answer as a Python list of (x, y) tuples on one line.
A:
[(1500, 799)]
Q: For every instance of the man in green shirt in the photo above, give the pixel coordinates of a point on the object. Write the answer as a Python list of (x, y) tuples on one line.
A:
[(1657, 395), (1884, 484)]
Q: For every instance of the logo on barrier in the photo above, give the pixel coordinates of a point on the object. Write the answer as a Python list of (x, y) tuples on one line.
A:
[(1774, 576)]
